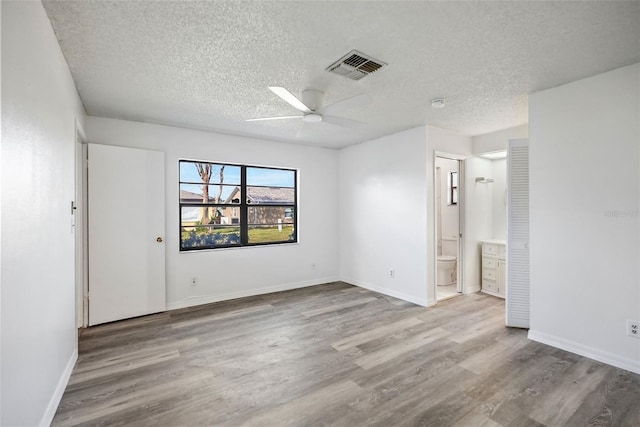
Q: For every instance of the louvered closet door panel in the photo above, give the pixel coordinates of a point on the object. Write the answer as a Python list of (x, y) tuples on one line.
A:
[(518, 295)]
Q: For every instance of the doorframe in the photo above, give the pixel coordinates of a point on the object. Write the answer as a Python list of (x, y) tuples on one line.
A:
[(461, 220), (80, 226)]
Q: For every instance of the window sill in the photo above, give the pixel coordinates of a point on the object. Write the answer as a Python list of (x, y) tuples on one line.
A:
[(235, 248)]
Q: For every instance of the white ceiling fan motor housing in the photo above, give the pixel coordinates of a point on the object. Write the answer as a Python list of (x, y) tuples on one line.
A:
[(312, 98)]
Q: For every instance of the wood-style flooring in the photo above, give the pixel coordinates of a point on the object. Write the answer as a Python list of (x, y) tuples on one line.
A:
[(337, 355)]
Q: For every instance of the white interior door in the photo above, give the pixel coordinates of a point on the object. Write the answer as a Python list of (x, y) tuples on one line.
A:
[(518, 294), (126, 233)]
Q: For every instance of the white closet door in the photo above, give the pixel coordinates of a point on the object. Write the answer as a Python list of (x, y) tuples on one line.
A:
[(126, 233), (518, 297)]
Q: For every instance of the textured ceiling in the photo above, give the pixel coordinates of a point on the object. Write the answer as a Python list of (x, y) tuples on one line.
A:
[(207, 65)]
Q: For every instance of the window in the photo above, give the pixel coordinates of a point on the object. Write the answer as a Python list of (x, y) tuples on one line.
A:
[(452, 184), (225, 205)]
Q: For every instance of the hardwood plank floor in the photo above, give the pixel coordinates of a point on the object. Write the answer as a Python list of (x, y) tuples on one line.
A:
[(338, 355)]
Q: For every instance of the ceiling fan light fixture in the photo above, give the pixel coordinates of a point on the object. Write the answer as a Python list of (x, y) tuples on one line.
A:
[(312, 118)]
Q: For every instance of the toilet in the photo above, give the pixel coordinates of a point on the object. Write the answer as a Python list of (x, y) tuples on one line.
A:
[(447, 274)]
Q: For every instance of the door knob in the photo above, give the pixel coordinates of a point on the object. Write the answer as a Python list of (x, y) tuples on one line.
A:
[(159, 240)]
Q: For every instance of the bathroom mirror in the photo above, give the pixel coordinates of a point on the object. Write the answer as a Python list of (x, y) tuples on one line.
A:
[(452, 186)]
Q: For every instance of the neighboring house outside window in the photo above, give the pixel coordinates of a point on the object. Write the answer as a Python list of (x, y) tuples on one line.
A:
[(214, 214)]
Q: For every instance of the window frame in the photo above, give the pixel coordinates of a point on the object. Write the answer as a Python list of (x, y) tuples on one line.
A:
[(453, 189), (243, 206)]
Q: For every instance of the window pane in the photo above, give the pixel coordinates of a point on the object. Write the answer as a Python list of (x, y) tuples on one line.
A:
[(270, 224), (270, 195), (270, 215), (271, 233), (271, 177), (209, 173), (223, 215), (192, 193), (209, 236)]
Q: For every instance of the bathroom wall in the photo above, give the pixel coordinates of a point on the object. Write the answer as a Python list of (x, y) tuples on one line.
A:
[(450, 218), (489, 143), (499, 205), (478, 218)]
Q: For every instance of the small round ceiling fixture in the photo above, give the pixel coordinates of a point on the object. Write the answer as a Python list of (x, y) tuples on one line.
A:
[(437, 103), (312, 118)]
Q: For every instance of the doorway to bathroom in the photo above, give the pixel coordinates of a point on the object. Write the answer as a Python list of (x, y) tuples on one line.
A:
[(448, 202)]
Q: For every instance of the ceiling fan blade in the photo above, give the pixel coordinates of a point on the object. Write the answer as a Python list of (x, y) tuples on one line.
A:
[(341, 121), (346, 104), (290, 98), (273, 118)]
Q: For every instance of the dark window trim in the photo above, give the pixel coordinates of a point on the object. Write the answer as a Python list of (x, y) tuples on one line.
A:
[(243, 206), (453, 188)]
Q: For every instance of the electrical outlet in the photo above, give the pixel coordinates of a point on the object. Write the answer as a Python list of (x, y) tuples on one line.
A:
[(194, 281), (392, 273), (633, 328)]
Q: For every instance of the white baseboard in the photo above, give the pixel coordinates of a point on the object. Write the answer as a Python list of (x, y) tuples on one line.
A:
[(471, 289), (207, 299), (392, 293), (52, 407), (586, 351)]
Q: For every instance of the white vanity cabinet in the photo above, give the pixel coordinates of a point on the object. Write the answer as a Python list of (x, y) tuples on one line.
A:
[(494, 267)]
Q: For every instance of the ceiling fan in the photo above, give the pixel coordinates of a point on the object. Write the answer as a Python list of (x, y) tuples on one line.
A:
[(312, 109)]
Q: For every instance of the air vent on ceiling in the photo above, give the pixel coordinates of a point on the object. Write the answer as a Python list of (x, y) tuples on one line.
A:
[(355, 65)]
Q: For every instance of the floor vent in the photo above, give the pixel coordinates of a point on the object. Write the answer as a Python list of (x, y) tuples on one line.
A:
[(355, 65)]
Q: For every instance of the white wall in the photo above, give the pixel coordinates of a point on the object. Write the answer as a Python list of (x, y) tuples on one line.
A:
[(0, 220), (231, 273), (585, 221), (444, 141), (383, 216), (487, 215), (39, 108), (499, 206), (478, 218), (496, 141), (450, 220)]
